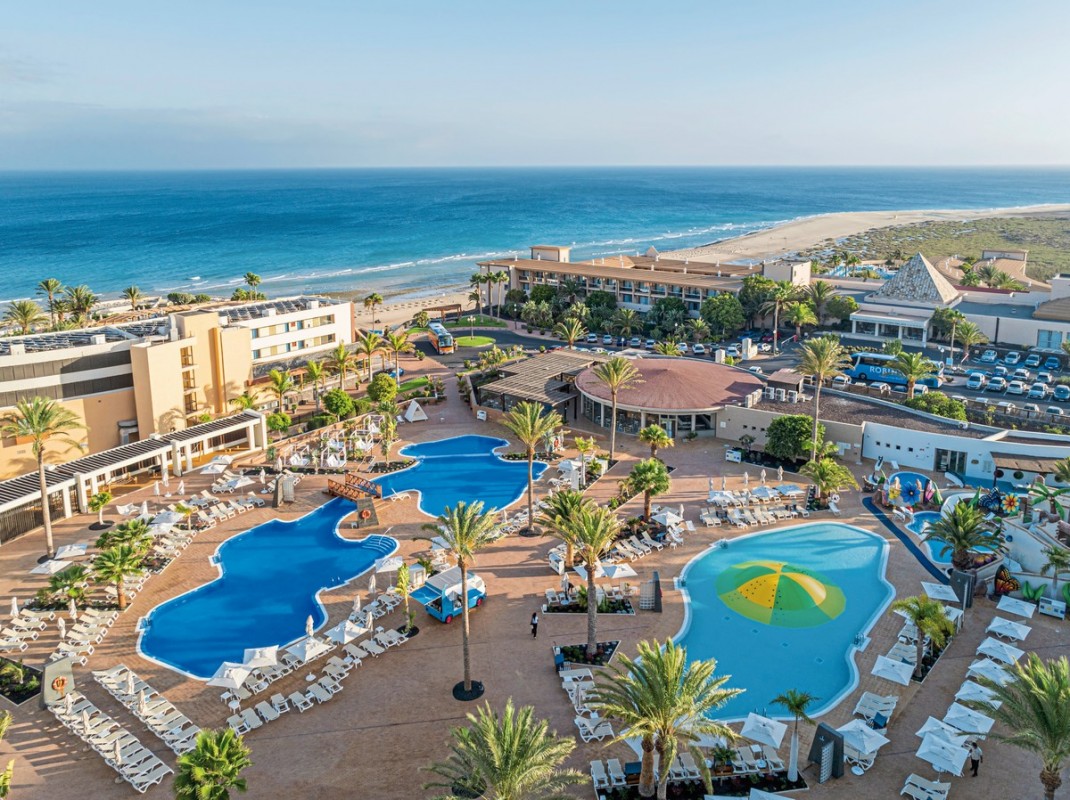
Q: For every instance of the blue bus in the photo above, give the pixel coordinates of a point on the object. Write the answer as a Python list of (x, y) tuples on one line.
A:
[(877, 367)]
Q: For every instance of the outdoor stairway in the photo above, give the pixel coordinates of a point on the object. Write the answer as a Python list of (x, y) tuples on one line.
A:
[(355, 488)]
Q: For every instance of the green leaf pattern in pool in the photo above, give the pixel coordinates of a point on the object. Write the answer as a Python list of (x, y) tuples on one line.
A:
[(781, 594)]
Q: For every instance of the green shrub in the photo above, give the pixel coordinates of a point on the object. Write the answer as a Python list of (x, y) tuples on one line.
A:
[(939, 404), (279, 422), (382, 389), (338, 403), (319, 421)]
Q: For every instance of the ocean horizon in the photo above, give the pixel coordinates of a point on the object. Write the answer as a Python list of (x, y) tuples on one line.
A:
[(412, 232)]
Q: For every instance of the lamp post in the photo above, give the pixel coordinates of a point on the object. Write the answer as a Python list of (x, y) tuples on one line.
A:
[(472, 326)]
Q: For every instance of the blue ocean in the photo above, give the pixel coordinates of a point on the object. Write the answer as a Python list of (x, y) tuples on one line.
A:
[(414, 232)]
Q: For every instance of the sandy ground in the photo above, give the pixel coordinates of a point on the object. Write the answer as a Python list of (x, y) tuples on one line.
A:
[(396, 313), (799, 234)]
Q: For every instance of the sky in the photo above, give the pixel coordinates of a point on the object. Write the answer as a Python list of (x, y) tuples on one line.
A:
[(329, 83)]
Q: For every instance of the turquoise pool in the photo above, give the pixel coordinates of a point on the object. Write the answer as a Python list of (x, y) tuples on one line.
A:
[(460, 468), (781, 610), (934, 550), (269, 584)]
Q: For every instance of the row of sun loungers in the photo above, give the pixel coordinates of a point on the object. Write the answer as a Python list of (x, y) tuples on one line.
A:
[(921, 789), (634, 547), (173, 727), (607, 775), (876, 709), (122, 751)]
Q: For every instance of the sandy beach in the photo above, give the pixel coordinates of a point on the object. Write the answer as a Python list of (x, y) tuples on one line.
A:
[(799, 234), (391, 314)]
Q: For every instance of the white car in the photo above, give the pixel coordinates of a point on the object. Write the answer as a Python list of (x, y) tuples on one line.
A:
[(649, 345), (755, 370), (635, 341), (682, 347), (1015, 387), (699, 349), (840, 382), (976, 381), (1039, 391), (732, 352), (1012, 358), (1055, 411), (990, 357), (607, 339), (765, 347), (881, 387)]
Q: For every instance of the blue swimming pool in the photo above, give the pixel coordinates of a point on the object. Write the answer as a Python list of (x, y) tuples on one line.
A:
[(271, 576), (781, 610), (461, 468), (935, 550)]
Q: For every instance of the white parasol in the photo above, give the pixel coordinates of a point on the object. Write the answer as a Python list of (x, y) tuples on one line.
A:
[(50, 567), (261, 656), (968, 721), (938, 591), (130, 688), (118, 754), (14, 606), (308, 649), (780, 474), (761, 477), (617, 571), (987, 668), (764, 730), (262, 476), (892, 670), (346, 631), (156, 488), (181, 487), (667, 518), (859, 736), (61, 624), (72, 609), (1008, 629), (230, 675), (941, 730), (68, 702), (142, 704), (371, 583), (724, 483), (970, 691), (71, 551), (310, 626), (1000, 651), (356, 604), (943, 755), (1015, 606), (388, 564), (746, 478)]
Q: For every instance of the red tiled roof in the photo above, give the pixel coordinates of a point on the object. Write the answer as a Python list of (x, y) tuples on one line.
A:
[(676, 384)]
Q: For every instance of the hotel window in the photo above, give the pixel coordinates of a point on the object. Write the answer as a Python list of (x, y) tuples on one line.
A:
[(1049, 340)]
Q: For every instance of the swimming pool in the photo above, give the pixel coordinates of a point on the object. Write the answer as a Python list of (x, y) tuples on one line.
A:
[(460, 468), (934, 550), (781, 610), (270, 580)]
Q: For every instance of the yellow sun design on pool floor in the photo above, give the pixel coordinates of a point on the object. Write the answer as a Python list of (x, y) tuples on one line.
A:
[(779, 593)]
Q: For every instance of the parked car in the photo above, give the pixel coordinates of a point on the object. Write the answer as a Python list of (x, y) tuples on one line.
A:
[(635, 341), (1053, 363), (997, 384), (1022, 374), (961, 398), (755, 370), (765, 347), (990, 357), (1001, 371), (1015, 387), (1012, 358), (699, 349), (1045, 377), (767, 336), (1061, 392), (649, 344), (592, 338), (1032, 360), (1031, 408), (976, 381), (881, 387), (1039, 391), (1006, 407), (732, 352), (1055, 411), (840, 382)]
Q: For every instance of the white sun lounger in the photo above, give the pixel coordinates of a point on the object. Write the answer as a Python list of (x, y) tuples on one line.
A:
[(598, 775), (616, 772)]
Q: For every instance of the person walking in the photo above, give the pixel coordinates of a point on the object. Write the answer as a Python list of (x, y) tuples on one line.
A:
[(535, 625), (976, 757)]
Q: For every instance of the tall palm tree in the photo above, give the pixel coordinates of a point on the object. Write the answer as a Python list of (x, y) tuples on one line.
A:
[(80, 300), (24, 315), (584, 447), (779, 296), (800, 315), (507, 757), (252, 280), (97, 503), (700, 330), (930, 619), (466, 529), (501, 278), (341, 360), (913, 367), (617, 373), (571, 330), (956, 318), (246, 400), (1034, 709), (959, 530), (51, 288), (115, 566), (280, 384), (133, 294), (823, 358), (367, 345), (556, 519), (373, 301), (651, 478), (625, 321), (477, 280), (531, 423), (827, 474), (133, 533), (316, 373), (213, 767), (970, 336), (655, 436), (42, 420), (1057, 561), (593, 530), (818, 294), (667, 703), (397, 343), (796, 702)]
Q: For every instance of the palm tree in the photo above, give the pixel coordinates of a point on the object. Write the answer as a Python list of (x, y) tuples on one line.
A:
[(625, 320), (69, 583), (134, 533), (476, 281), (799, 315), (796, 702), (133, 294), (823, 358), (617, 374), (316, 373), (651, 478), (97, 503), (970, 336), (669, 347), (827, 474), (213, 767), (511, 757), (571, 330), (115, 566), (466, 529), (584, 447), (666, 702), (397, 343), (341, 361), (556, 518), (1062, 470), (246, 400), (593, 530), (367, 345), (50, 288), (24, 315), (700, 330), (913, 367), (80, 300), (41, 420), (531, 423), (956, 318), (818, 294), (9, 770), (655, 436), (1034, 707), (1041, 493), (280, 384), (1057, 560), (252, 280), (501, 278), (779, 296), (371, 302), (960, 531), (929, 617)]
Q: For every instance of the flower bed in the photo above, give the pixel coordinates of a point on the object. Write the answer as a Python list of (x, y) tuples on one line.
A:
[(732, 786), (577, 654), (607, 606), (18, 683), (394, 466)]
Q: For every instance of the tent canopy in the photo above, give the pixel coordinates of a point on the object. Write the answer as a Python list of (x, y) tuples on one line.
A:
[(414, 413)]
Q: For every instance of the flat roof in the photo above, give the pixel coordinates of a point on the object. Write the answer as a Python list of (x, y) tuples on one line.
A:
[(283, 306), (84, 337), (1024, 463), (995, 309), (673, 384)]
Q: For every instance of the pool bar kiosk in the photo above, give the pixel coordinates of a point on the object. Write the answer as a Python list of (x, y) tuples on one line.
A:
[(441, 594)]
